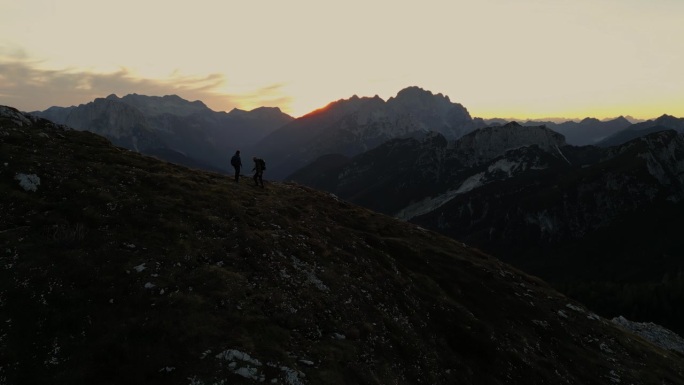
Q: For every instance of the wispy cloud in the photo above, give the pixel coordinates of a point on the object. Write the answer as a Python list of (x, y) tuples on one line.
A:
[(25, 85), (270, 96)]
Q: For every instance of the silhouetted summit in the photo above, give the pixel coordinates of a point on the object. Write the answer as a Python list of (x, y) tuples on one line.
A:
[(352, 126)]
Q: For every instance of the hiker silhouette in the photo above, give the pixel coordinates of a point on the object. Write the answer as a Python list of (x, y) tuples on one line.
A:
[(236, 162), (259, 167)]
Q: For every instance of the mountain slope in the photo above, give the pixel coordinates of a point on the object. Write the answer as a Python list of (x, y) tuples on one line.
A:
[(119, 122), (600, 223), (404, 172), (119, 268)]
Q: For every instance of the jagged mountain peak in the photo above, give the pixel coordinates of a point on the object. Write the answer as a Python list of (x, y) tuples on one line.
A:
[(118, 111), (590, 121), (413, 93), (410, 100), (357, 124), (167, 104), (416, 98)]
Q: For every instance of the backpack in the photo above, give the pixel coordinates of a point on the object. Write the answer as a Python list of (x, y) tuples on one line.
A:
[(263, 164), (234, 161)]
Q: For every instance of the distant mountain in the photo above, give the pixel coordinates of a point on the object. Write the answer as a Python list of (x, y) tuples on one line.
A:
[(123, 124), (591, 131), (118, 268), (393, 176), (352, 126), (171, 127), (159, 105), (665, 122), (524, 195), (588, 131), (565, 201), (486, 144)]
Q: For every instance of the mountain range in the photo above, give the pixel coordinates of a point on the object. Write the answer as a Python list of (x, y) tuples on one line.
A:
[(353, 126), (664, 122), (524, 192), (171, 128), (191, 134), (578, 217), (588, 131), (120, 268)]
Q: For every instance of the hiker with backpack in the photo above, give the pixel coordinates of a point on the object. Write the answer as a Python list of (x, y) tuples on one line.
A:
[(236, 162), (259, 167)]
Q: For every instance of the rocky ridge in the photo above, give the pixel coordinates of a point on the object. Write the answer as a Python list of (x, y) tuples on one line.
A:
[(170, 127), (488, 143), (355, 125)]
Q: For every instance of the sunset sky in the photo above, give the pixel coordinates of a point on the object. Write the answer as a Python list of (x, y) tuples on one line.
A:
[(499, 58)]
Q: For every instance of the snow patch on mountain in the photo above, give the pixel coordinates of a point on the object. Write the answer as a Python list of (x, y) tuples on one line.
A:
[(561, 154), (504, 165), (430, 204)]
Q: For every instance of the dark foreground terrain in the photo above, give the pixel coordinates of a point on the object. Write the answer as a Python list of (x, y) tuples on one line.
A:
[(119, 268)]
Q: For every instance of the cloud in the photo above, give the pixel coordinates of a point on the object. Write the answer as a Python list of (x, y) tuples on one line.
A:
[(25, 85), (270, 96)]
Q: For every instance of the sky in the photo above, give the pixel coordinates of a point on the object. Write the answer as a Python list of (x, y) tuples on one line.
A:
[(498, 58)]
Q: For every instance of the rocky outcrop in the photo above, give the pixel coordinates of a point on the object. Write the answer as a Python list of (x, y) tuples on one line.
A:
[(486, 144), (654, 333), (431, 112), (119, 122)]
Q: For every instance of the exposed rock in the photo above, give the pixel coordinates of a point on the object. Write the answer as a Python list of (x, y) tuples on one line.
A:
[(656, 334), (485, 144)]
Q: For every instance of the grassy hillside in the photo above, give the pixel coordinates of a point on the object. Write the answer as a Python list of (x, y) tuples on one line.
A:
[(119, 268)]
